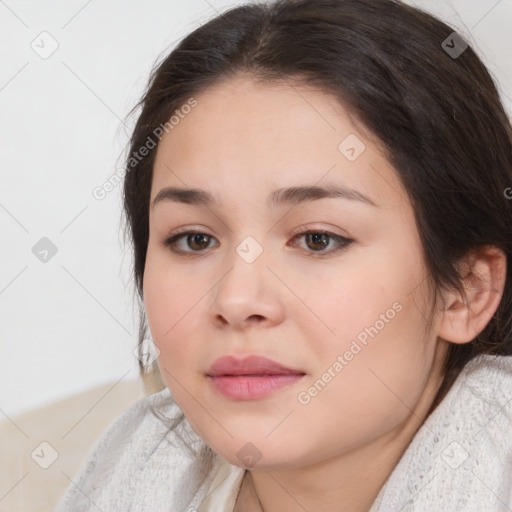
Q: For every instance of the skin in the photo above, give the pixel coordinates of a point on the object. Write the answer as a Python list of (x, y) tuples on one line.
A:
[(299, 307)]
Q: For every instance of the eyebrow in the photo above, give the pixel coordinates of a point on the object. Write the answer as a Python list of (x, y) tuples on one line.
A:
[(282, 196)]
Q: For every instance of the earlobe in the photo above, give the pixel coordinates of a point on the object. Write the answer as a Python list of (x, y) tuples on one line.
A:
[(464, 317)]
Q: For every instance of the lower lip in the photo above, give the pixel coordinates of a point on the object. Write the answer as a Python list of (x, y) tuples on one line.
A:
[(247, 387)]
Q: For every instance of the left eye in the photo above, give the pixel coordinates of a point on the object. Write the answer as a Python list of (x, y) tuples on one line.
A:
[(317, 240), (320, 240)]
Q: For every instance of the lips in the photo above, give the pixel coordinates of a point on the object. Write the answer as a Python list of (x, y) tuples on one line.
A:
[(252, 387), (251, 378), (251, 365)]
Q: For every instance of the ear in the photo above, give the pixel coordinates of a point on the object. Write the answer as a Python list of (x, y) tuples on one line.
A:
[(463, 318)]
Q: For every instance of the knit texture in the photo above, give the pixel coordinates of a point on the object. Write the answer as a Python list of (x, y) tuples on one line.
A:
[(460, 460)]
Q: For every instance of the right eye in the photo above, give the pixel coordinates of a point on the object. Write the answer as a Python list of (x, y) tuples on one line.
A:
[(193, 238)]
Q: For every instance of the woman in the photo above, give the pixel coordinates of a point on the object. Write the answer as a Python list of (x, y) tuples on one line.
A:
[(316, 195)]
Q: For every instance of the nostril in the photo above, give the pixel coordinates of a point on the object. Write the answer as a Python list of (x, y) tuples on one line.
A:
[(222, 319)]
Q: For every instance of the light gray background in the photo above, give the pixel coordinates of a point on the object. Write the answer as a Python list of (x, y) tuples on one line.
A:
[(70, 323)]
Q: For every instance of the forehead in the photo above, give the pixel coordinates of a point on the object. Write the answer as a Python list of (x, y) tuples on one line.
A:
[(244, 137)]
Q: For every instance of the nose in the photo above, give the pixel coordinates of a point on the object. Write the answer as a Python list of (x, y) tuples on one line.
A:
[(248, 293)]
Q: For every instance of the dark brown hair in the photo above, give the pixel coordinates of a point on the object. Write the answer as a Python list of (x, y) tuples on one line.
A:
[(437, 115)]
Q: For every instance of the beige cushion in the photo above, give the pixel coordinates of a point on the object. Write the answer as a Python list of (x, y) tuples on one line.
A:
[(70, 426)]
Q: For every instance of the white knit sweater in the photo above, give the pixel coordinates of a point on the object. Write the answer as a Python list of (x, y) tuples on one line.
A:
[(460, 460)]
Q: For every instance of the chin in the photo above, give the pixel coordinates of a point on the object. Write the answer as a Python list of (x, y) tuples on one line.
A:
[(257, 454)]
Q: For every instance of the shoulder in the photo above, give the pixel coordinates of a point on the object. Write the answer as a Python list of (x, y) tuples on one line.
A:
[(479, 404), (483, 396), (491, 369), (464, 445), (139, 448), (135, 429), (486, 381)]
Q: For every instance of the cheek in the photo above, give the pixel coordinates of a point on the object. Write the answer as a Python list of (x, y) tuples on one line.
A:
[(347, 305), (170, 301), (374, 389), (170, 296), (169, 308), (378, 325)]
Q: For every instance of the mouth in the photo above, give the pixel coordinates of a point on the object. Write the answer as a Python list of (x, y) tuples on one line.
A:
[(251, 378), (250, 365)]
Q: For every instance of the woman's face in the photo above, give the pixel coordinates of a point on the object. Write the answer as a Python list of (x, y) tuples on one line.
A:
[(347, 317)]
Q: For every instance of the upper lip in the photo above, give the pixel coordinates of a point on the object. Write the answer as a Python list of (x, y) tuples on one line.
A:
[(250, 365)]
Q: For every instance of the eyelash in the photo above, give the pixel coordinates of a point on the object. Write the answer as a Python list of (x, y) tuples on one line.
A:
[(345, 242)]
